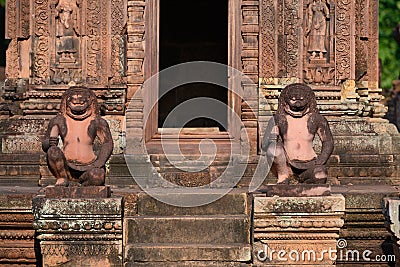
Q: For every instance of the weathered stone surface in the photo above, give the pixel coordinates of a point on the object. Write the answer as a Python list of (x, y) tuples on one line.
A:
[(269, 42), (299, 224), (78, 192), (169, 235), (326, 204), (188, 252), (181, 230), (299, 190), (188, 264), (140, 204), (17, 237), (364, 227), (19, 170), (79, 232)]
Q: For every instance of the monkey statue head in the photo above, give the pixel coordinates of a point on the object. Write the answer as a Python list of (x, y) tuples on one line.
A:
[(297, 100), (79, 103)]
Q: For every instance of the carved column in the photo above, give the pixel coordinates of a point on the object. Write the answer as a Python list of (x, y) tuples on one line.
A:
[(135, 71), (297, 230), (249, 59), (79, 231)]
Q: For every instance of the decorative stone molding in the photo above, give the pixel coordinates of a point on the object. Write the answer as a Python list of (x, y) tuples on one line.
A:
[(79, 231), (296, 224), (17, 237), (63, 43), (332, 62)]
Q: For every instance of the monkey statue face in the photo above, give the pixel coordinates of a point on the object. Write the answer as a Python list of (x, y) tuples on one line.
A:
[(297, 100), (79, 103)]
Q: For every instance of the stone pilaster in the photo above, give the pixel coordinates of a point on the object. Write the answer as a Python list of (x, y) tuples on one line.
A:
[(79, 232), (297, 231)]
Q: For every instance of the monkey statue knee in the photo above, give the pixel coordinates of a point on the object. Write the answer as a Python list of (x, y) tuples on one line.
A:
[(290, 134), (78, 124)]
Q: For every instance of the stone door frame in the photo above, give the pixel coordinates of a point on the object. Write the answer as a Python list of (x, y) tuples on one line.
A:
[(151, 65)]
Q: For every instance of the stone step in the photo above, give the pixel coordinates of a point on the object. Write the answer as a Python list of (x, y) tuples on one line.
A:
[(141, 204), (19, 169), (187, 230), (187, 264), (188, 252), (163, 157), (19, 180)]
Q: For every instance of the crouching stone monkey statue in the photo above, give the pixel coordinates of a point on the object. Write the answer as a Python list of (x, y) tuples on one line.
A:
[(78, 124), (290, 134)]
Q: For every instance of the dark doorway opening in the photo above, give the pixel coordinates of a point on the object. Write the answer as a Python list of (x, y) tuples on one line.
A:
[(193, 31)]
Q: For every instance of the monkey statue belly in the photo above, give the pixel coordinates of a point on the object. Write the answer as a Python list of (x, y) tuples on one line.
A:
[(290, 134), (78, 124)]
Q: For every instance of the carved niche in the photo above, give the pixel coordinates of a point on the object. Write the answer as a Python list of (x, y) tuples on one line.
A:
[(319, 68), (87, 42), (59, 43), (310, 40), (67, 66)]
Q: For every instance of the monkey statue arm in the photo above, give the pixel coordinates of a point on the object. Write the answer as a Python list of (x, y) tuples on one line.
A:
[(271, 134), (104, 134), (326, 137), (52, 133)]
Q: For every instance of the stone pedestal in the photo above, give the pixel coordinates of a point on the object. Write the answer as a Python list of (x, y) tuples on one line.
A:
[(79, 231), (392, 213), (297, 231)]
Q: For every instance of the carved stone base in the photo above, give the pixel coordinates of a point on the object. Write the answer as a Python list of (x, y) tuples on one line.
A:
[(297, 231), (79, 232), (392, 211), (298, 190), (78, 191)]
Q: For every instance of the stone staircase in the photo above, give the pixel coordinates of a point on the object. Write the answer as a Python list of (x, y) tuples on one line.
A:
[(216, 234), (190, 172), (193, 171)]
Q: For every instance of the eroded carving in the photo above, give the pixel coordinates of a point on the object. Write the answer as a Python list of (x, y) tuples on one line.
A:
[(78, 124), (317, 28), (41, 43), (67, 67), (290, 134)]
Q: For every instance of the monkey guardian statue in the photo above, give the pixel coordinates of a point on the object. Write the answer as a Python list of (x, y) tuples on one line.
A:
[(78, 124), (290, 134)]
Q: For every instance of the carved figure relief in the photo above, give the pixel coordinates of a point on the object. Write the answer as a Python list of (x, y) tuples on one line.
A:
[(319, 66), (66, 32), (289, 137), (78, 124), (67, 42), (316, 28)]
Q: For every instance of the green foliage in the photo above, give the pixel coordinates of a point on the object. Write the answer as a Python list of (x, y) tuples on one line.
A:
[(389, 50), (2, 2)]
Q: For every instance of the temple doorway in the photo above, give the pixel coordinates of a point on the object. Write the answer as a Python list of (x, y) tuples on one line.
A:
[(193, 31)]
